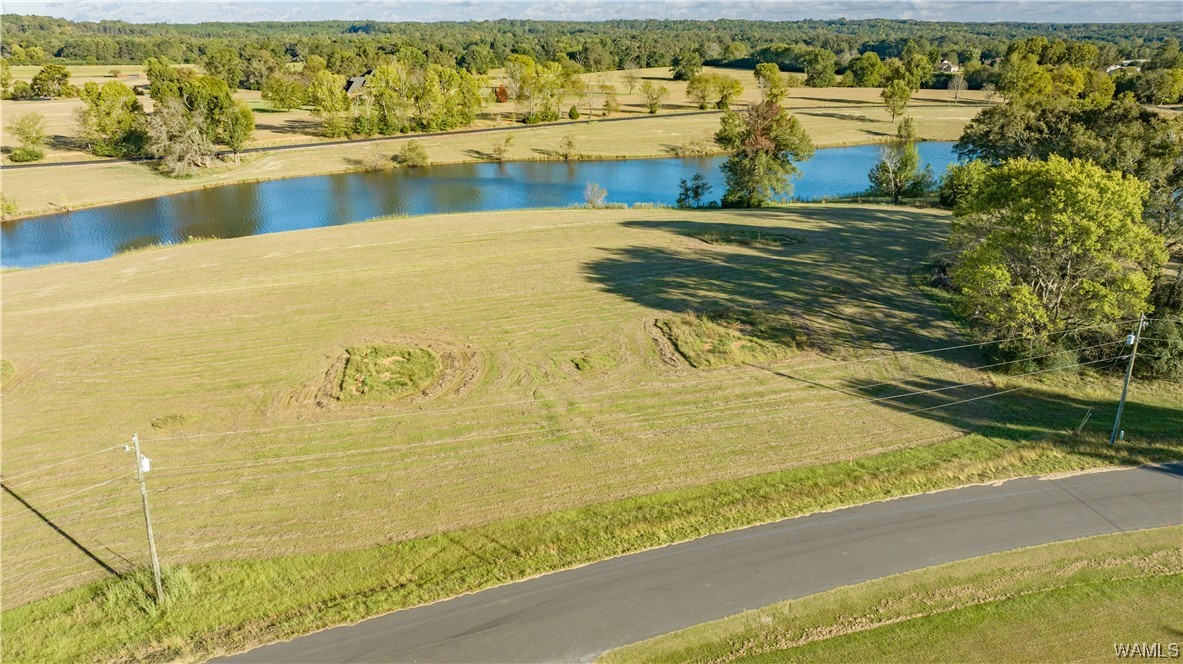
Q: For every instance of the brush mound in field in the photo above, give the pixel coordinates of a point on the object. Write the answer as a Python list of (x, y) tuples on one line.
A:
[(731, 336), (173, 421), (7, 371), (385, 372), (747, 238)]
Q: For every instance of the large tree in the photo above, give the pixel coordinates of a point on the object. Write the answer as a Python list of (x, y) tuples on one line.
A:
[(326, 94), (29, 130), (1121, 136), (1045, 246), (51, 81), (865, 71), (284, 91), (178, 137), (111, 120), (765, 142)]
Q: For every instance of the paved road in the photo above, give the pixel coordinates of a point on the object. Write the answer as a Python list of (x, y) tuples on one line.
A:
[(576, 614)]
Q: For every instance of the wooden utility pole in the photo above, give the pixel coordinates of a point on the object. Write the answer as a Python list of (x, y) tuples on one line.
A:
[(1129, 371), (142, 466)]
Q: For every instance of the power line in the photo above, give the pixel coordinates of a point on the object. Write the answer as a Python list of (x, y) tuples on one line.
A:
[(92, 487), (59, 463)]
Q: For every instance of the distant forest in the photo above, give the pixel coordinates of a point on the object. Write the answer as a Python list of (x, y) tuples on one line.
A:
[(351, 46)]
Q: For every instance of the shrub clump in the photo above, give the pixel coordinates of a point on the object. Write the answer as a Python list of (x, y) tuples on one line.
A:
[(732, 336), (380, 373)]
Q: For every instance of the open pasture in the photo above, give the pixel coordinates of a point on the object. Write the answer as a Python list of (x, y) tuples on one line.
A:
[(556, 388)]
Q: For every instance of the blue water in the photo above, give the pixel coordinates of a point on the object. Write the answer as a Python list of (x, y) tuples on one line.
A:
[(329, 200)]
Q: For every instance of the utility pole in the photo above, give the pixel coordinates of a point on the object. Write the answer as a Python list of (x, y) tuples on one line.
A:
[(1131, 340), (143, 465)]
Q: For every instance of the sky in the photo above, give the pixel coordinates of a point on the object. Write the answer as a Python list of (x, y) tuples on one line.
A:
[(195, 11)]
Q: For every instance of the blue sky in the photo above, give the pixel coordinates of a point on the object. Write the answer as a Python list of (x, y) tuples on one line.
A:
[(192, 11)]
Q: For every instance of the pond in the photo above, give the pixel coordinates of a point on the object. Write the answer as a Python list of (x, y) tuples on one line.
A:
[(329, 200)]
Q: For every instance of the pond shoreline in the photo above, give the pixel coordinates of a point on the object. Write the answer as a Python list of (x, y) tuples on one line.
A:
[(357, 195), (32, 214)]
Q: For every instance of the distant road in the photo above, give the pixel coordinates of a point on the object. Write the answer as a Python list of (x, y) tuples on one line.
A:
[(457, 132), (577, 614), (378, 139)]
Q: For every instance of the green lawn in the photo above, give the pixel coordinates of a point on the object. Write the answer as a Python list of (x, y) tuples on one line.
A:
[(1068, 601), (562, 425)]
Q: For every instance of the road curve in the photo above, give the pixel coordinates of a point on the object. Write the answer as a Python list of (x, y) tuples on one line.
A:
[(577, 614)]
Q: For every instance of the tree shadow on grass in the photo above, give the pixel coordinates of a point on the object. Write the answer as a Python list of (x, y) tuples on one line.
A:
[(839, 116), (845, 282), (1019, 412)]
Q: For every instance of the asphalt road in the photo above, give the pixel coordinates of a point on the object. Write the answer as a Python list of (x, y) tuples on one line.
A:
[(576, 614)]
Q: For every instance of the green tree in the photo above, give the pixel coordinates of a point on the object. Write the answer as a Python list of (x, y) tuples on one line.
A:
[(313, 65), (654, 95), (5, 79), (329, 102), (1022, 79), (774, 86), (819, 68), (238, 127), (284, 91), (686, 65), (691, 193), (164, 80), (29, 130), (961, 181), (1160, 86), (899, 175), (1121, 135), (866, 71), (51, 81), (478, 59), (258, 65), (906, 132), (222, 62), (726, 89), (765, 142), (111, 121), (1046, 246), (699, 90), (896, 95)]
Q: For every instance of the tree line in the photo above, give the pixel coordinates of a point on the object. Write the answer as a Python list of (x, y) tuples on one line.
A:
[(352, 46)]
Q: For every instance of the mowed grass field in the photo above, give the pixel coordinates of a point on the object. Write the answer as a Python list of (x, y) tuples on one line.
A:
[(831, 116), (556, 390), (1068, 601)]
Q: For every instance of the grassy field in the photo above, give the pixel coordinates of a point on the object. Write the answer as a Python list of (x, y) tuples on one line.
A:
[(558, 424), (1068, 601), (832, 116), (555, 389)]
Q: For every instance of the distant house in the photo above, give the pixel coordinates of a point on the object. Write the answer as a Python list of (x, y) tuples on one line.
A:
[(949, 67), (354, 85), (1126, 65)]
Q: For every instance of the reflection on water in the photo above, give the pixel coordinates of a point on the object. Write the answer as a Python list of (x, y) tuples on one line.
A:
[(328, 200)]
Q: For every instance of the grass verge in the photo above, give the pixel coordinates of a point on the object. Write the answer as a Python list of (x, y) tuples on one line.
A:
[(1067, 601), (227, 606)]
